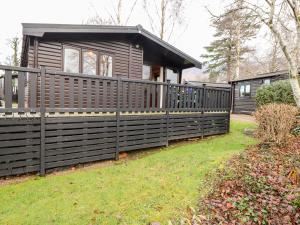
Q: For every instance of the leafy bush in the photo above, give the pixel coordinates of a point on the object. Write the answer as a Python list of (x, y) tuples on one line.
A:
[(277, 92), (275, 122)]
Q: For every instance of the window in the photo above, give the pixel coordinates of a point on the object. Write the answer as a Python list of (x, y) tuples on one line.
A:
[(172, 76), (245, 90), (106, 65), (71, 60), (89, 62), (267, 81), (146, 72)]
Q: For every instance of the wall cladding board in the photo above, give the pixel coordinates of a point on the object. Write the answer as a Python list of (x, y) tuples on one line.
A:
[(50, 55)]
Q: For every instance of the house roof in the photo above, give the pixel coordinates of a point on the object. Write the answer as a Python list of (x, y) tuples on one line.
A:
[(40, 29), (261, 76)]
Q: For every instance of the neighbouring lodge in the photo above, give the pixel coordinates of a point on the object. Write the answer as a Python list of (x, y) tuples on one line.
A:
[(244, 90), (85, 93)]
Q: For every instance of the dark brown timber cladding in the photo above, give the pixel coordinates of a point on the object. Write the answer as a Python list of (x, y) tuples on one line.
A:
[(247, 104), (127, 60), (77, 140)]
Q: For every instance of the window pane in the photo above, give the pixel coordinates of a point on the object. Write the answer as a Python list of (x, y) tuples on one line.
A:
[(71, 60), (146, 72), (173, 77), (89, 63), (242, 90), (106, 65), (267, 81), (248, 88)]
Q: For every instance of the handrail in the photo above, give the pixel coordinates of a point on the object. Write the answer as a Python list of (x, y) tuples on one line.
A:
[(20, 69), (143, 81)]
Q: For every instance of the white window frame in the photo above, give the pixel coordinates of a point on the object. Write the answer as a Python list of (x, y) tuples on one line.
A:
[(245, 91)]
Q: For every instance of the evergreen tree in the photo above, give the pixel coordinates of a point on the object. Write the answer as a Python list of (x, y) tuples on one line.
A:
[(234, 28)]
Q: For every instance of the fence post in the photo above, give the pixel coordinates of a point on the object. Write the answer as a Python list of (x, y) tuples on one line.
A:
[(167, 111), (119, 89), (229, 108), (42, 120)]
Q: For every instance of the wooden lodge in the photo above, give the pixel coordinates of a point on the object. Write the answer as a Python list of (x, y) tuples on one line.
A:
[(244, 90), (86, 93)]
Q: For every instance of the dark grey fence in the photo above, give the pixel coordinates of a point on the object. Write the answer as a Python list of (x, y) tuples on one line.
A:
[(51, 119)]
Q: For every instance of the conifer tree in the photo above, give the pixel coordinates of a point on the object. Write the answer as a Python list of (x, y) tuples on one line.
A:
[(234, 28)]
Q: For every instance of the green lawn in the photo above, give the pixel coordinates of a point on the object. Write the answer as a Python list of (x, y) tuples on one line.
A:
[(158, 186)]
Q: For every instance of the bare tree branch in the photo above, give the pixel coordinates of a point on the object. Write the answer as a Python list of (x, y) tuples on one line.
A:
[(130, 12), (165, 16)]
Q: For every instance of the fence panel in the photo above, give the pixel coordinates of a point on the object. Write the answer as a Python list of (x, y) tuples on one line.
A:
[(142, 96), (15, 85), (47, 142), (80, 93)]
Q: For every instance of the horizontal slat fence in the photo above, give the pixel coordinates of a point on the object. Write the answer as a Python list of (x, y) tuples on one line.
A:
[(50, 119), (19, 146)]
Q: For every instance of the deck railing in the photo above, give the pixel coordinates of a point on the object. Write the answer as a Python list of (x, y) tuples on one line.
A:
[(45, 142), (34, 90)]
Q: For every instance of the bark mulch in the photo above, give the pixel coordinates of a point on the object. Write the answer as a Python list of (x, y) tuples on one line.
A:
[(259, 186)]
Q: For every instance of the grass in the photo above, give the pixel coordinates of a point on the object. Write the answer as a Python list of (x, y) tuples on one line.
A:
[(154, 187)]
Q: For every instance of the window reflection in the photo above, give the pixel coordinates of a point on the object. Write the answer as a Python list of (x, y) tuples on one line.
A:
[(89, 62), (146, 72), (106, 65), (172, 76), (71, 60)]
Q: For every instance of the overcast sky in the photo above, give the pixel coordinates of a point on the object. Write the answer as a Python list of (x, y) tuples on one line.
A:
[(198, 32)]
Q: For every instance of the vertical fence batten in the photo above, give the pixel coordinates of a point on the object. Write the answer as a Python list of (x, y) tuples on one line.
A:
[(203, 98), (21, 91), (8, 89)]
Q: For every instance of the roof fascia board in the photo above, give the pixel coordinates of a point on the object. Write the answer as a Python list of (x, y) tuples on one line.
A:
[(274, 74)]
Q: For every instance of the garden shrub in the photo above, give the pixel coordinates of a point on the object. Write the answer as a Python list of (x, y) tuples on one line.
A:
[(277, 92), (275, 122)]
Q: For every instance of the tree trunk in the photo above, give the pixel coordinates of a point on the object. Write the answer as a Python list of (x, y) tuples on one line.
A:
[(119, 12), (295, 84), (238, 51)]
